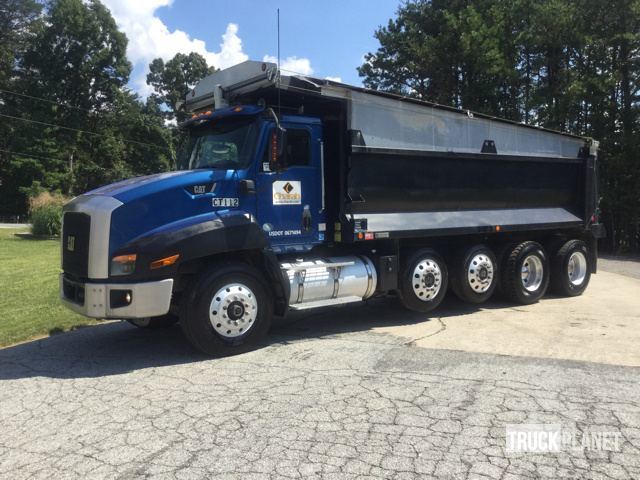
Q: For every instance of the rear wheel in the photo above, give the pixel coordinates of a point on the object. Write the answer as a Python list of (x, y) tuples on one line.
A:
[(228, 311), (474, 274), (525, 273), (423, 281), (571, 271)]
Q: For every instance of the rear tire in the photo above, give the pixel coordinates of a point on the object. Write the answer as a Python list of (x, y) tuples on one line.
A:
[(525, 273), (228, 310), (571, 270), (423, 281), (474, 274)]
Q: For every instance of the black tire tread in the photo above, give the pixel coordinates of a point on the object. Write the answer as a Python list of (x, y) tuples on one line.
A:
[(557, 269), (508, 283)]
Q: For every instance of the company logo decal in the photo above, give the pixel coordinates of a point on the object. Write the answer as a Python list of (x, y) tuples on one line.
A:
[(71, 243), (287, 192)]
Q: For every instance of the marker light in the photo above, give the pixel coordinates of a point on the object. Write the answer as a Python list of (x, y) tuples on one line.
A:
[(123, 264), (164, 262), (274, 147)]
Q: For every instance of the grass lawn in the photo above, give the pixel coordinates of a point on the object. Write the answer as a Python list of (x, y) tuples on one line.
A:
[(29, 305)]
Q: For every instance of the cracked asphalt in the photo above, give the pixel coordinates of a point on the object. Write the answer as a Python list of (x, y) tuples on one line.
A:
[(353, 392)]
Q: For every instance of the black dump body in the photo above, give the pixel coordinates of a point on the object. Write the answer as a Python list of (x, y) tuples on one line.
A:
[(406, 194)]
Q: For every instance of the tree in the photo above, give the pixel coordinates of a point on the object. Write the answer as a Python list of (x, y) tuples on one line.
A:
[(78, 63), (73, 124), (17, 19), (173, 80), (455, 53)]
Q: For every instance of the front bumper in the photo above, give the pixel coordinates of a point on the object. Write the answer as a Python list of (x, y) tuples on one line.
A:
[(148, 299)]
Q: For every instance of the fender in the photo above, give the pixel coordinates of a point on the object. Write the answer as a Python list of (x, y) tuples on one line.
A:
[(201, 237)]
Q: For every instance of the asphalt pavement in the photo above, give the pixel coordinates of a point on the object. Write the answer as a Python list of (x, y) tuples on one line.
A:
[(359, 391)]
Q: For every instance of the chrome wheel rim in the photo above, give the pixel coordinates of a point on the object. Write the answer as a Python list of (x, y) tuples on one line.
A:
[(532, 273), (577, 268), (427, 279), (480, 272), (233, 310)]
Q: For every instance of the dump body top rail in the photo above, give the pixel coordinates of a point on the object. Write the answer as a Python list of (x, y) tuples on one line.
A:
[(386, 121)]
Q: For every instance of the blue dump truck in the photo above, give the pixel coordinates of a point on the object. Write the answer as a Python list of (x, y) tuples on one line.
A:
[(294, 192)]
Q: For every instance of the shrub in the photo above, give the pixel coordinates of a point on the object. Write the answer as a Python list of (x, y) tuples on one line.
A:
[(45, 210)]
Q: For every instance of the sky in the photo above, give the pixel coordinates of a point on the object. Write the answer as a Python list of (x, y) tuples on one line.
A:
[(327, 38)]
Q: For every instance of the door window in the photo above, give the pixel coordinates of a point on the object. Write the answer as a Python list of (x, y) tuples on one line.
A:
[(298, 148)]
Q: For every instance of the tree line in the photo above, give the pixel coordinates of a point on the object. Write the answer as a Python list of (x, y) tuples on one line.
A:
[(568, 65), (68, 122)]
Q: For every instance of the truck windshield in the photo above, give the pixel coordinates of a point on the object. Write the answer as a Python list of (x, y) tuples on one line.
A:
[(226, 143)]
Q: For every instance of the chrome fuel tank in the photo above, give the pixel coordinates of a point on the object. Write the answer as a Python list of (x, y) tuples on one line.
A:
[(326, 281)]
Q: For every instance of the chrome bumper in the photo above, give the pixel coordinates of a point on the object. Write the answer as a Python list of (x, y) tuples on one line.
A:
[(149, 299)]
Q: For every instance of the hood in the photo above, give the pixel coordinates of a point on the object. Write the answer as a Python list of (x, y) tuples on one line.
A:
[(154, 201), (138, 187)]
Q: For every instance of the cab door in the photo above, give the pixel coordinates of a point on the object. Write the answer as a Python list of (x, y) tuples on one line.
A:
[(289, 206)]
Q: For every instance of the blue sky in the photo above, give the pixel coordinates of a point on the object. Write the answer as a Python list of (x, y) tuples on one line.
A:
[(326, 39)]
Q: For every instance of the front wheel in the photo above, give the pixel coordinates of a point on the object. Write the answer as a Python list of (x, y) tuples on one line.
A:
[(423, 281), (228, 310)]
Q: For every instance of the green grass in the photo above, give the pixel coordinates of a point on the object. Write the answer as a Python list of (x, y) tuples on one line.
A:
[(29, 304)]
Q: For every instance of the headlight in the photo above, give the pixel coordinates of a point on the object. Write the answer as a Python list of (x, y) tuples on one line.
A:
[(123, 264)]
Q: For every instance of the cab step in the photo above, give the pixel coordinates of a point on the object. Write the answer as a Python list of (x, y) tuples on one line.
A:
[(324, 303)]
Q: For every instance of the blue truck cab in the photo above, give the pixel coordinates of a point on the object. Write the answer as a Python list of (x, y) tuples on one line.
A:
[(297, 193), (236, 189)]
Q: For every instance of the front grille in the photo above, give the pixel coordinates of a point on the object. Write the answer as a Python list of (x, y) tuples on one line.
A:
[(75, 243), (73, 291)]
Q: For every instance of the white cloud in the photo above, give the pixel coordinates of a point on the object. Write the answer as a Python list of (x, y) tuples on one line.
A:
[(334, 79), (292, 64), (150, 38)]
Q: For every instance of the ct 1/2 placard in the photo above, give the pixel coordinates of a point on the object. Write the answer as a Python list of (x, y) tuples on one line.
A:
[(225, 202)]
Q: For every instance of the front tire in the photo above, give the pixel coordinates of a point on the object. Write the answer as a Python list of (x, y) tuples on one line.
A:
[(525, 273), (228, 311), (423, 281), (571, 271)]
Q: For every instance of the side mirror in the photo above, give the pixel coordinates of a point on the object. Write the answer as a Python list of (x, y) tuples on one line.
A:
[(278, 153)]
